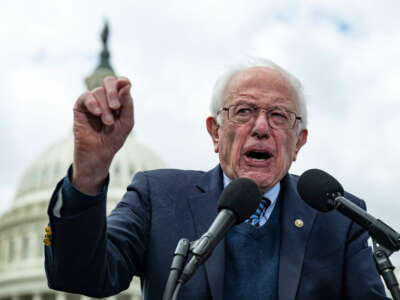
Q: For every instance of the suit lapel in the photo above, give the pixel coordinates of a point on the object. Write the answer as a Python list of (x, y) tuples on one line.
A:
[(294, 238), (203, 207)]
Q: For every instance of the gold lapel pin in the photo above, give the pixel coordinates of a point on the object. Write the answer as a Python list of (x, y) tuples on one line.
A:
[(299, 223)]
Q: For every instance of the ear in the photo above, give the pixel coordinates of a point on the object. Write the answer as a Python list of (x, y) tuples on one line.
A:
[(301, 140), (212, 128)]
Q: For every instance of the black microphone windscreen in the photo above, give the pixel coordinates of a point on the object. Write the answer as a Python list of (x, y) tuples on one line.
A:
[(316, 188), (242, 196)]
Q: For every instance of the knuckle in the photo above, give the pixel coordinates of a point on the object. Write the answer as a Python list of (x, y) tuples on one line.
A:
[(112, 95), (98, 91), (109, 79), (91, 102), (85, 94), (81, 99), (123, 78)]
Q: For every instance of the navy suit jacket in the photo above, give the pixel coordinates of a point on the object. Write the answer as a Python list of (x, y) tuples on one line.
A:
[(327, 258)]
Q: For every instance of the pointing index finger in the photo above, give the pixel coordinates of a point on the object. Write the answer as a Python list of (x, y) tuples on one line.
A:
[(122, 82)]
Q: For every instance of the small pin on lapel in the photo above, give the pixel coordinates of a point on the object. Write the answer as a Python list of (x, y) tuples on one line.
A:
[(299, 223)]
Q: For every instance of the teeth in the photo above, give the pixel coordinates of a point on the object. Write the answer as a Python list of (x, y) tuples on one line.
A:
[(258, 155), (258, 159)]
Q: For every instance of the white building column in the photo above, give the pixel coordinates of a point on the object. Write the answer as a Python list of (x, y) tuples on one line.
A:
[(36, 296), (134, 295), (112, 298), (61, 296), (83, 297), (3, 250)]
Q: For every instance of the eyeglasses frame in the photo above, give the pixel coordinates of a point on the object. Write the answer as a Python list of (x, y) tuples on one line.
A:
[(257, 109)]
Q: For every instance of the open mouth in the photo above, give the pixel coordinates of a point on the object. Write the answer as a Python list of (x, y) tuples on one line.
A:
[(258, 155)]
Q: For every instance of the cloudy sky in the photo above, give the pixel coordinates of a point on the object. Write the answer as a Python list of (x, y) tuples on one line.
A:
[(345, 52)]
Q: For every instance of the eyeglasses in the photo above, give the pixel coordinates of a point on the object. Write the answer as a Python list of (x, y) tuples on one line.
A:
[(277, 117)]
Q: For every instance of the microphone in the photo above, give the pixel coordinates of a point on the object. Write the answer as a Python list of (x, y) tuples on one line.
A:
[(238, 201), (323, 192)]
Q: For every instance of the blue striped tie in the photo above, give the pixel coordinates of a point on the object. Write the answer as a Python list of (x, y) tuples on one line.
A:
[(255, 217)]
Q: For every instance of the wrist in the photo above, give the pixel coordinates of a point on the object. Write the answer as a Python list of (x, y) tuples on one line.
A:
[(89, 181)]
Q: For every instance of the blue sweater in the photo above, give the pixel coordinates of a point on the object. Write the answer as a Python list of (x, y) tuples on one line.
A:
[(252, 260)]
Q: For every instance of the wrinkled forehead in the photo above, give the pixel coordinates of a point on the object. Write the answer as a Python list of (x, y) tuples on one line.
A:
[(259, 81)]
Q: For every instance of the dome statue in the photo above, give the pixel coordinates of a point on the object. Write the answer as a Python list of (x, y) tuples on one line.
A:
[(22, 275)]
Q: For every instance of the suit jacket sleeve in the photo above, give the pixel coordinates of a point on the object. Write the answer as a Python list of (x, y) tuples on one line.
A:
[(94, 255)]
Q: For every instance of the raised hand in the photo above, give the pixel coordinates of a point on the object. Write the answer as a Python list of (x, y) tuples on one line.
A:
[(103, 119)]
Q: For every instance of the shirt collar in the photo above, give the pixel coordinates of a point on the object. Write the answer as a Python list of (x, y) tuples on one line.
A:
[(271, 194)]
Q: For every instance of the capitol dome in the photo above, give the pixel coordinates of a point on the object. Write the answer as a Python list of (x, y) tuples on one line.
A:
[(51, 165), (22, 275), (21, 228)]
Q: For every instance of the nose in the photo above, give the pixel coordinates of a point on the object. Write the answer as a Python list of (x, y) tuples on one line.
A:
[(261, 126)]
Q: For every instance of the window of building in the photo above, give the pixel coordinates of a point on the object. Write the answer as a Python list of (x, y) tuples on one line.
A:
[(49, 296), (123, 297), (40, 247), (131, 170), (25, 297), (44, 174), (11, 251), (25, 247), (73, 297), (117, 170), (57, 170)]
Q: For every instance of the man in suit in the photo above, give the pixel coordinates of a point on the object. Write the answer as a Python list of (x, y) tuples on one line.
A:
[(286, 251)]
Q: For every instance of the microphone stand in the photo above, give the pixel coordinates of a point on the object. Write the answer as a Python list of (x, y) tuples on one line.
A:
[(385, 268), (178, 276), (172, 287)]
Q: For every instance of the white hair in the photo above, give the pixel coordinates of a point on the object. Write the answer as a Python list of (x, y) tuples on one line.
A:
[(222, 82)]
